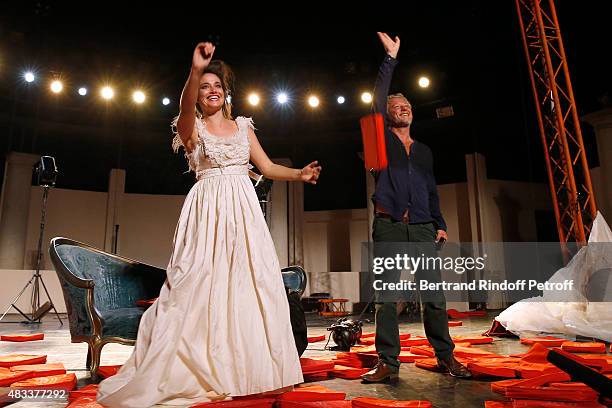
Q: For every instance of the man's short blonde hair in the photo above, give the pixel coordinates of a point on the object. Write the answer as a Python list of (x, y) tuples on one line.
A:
[(397, 95)]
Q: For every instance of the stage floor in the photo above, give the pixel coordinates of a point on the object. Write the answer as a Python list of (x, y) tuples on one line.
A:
[(415, 383)]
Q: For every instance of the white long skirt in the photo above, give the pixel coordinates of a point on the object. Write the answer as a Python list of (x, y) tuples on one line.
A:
[(221, 324)]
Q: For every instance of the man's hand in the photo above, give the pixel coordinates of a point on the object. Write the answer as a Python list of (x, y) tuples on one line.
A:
[(391, 46), (441, 235)]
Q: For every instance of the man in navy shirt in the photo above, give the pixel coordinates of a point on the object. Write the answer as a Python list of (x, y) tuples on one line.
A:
[(407, 210)]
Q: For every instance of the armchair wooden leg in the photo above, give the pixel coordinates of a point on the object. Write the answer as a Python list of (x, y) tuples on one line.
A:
[(93, 358), (88, 361)]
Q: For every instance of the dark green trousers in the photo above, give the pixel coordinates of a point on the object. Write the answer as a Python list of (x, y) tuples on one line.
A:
[(433, 310)]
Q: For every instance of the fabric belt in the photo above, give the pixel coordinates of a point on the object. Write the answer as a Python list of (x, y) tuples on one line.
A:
[(236, 170)]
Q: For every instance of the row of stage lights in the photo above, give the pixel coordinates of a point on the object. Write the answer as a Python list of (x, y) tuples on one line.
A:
[(139, 97)]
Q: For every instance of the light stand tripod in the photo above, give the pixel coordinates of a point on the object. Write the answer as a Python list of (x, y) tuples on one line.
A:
[(262, 188), (38, 311)]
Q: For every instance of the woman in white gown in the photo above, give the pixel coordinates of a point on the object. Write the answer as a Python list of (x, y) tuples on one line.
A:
[(220, 327)]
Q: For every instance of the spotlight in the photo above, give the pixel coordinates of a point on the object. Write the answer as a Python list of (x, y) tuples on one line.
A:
[(107, 93), (166, 101), (138, 97), (253, 99), (341, 100), (313, 101), (423, 82), (82, 91), (282, 97), (366, 97), (56, 86), (29, 76)]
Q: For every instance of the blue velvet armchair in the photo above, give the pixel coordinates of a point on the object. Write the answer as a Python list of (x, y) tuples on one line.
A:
[(100, 290)]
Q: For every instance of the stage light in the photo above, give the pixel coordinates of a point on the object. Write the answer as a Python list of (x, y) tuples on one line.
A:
[(253, 99), (166, 101), (282, 98), (138, 97), (341, 100), (56, 86), (82, 91), (423, 82), (29, 76), (366, 97), (107, 93), (313, 101)]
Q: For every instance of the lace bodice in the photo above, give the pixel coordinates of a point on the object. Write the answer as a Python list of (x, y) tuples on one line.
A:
[(219, 151)]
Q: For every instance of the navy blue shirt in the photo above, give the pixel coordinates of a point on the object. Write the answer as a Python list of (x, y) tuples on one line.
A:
[(408, 182)]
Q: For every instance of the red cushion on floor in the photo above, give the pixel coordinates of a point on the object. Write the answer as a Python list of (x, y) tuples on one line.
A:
[(455, 314), (42, 370), (432, 363), (476, 313), (318, 376), (310, 366), (247, 402), (312, 393), (108, 371), (547, 341), (601, 362), (11, 360), (531, 370), (520, 403), (368, 341), (404, 336), (427, 364), (534, 362), (7, 376), (423, 351), (348, 373), (498, 404), (460, 351), (314, 339), (364, 349), (473, 339), (550, 394), (494, 367), (367, 335), (85, 402), (357, 360), (569, 385), (87, 391), (501, 386), (315, 404), (53, 382), (415, 341), (22, 337), (498, 330), (408, 357), (586, 347), (367, 402), (536, 354), (455, 323)]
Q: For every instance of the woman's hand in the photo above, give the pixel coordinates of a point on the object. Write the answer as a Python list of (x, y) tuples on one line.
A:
[(202, 55), (310, 173)]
